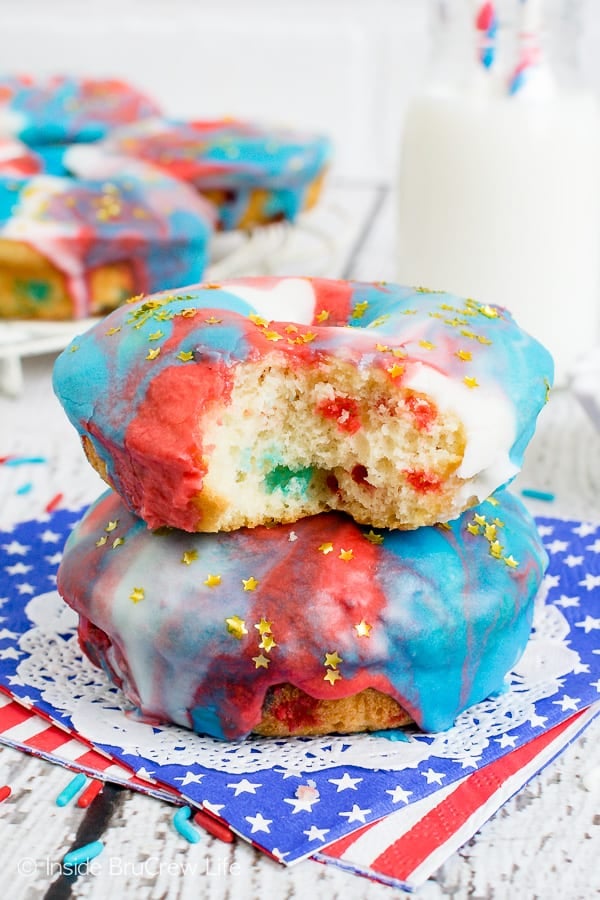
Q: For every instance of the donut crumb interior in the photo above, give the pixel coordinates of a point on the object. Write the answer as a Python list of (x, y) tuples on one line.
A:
[(296, 441)]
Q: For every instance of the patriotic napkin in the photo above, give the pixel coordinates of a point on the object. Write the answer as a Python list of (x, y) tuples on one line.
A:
[(401, 850), (294, 797)]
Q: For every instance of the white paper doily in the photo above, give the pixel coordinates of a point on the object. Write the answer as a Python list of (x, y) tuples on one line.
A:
[(53, 664)]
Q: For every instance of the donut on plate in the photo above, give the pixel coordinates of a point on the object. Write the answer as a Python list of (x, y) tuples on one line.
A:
[(254, 175), (62, 109), (257, 401), (72, 247), (312, 628)]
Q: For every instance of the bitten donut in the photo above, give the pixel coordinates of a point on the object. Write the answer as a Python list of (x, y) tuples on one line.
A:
[(72, 247), (265, 400), (61, 109), (254, 175), (318, 627)]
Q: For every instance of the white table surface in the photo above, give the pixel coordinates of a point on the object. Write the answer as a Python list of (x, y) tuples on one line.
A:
[(544, 843)]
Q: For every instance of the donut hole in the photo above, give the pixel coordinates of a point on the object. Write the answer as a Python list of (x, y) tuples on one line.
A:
[(296, 440)]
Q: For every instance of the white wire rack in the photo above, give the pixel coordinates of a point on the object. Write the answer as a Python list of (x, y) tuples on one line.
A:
[(317, 244)]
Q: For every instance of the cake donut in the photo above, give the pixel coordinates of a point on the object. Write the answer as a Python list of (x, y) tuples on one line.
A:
[(264, 400), (62, 109), (319, 627), (252, 174), (72, 247)]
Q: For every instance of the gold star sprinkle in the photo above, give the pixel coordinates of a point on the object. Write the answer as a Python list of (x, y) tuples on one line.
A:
[(379, 321), (363, 629), (111, 526), (185, 355), (236, 627), (101, 541), (427, 345), (267, 643), (156, 335), (382, 348), (118, 542), (470, 382), (272, 335), (189, 556), (73, 348), (323, 315), (332, 675), (212, 580), (396, 370), (468, 334), (212, 320), (547, 386), (490, 533), (332, 659), (473, 528), (261, 662), (488, 311), (153, 353), (481, 520), (373, 537), (137, 595), (263, 627), (188, 313), (496, 549), (346, 555), (360, 309), (112, 331), (483, 340), (326, 548), (258, 320), (511, 562), (291, 329), (250, 584), (465, 355)]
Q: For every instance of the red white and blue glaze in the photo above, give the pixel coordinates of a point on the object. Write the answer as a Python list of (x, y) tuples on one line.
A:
[(233, 158), (125, 212), (196, 628), (137, 383), (16, 158), (63, 109)]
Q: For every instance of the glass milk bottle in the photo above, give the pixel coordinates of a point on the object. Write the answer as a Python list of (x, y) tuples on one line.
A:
[(499, 183)]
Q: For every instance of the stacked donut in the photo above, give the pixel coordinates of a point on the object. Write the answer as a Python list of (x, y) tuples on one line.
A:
[(308, 529), (100, 198)]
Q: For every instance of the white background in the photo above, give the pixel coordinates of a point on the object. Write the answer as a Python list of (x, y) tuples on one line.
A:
[(340, 66)]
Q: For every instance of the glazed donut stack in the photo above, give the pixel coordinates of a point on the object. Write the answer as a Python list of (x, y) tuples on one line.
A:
[(308, 530)]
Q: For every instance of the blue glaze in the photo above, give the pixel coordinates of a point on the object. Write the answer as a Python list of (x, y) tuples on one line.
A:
[(206, 720), (392, 734)]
